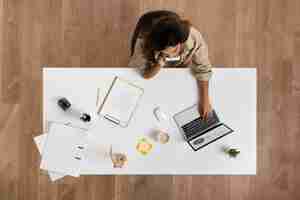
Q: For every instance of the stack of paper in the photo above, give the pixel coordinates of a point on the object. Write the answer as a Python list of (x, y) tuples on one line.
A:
[(62, 150)]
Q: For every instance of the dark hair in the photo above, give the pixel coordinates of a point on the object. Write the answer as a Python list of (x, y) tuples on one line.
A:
[(146, 23), (163, 29), (166, 32)]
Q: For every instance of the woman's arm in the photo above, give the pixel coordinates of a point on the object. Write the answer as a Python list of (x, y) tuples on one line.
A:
[(204, 102), (201, 67)]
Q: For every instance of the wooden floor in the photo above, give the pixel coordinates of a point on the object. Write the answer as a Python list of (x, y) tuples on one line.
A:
[(94, 33)]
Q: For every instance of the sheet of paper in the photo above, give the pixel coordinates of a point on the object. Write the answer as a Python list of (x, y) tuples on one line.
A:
[(40, 141), (63, 150)]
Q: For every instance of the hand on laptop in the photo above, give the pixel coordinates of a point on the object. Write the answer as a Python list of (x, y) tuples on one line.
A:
[(204, 109)]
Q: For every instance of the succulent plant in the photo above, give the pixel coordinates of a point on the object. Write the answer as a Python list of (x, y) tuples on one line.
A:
[(232, 152)]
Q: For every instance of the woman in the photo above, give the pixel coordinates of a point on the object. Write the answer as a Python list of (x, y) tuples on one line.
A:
[(164, 39)]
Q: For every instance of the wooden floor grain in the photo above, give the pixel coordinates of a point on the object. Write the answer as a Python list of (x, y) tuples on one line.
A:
[(240, 33)]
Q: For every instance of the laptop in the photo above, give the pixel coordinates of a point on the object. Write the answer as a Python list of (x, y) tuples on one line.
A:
[(197, 132)]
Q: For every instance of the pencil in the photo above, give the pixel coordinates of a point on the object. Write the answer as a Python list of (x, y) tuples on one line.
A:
[(97, 100)]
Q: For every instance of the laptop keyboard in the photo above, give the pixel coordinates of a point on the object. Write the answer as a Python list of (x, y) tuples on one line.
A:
[(210, 136), (198, 125)]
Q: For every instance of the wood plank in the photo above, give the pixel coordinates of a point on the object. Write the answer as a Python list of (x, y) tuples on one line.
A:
[(9, 145), (210, 187), (11, 54)]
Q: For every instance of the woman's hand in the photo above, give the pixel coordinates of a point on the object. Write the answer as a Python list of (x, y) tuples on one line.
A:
[(161, 60), (154, 68), (151, 71), (204, 108)]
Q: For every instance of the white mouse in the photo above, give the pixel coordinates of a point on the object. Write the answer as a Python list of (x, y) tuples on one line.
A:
[(159, 114)]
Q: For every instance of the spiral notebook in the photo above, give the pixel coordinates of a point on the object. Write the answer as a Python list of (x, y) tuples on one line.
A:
[(63, 150), (121, 101)]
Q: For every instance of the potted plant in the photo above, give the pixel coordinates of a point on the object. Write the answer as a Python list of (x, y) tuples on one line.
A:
[(232, 152)]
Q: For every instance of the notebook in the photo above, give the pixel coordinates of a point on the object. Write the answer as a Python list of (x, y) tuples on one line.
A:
[(121, 102), (40, 141), (63, 150)]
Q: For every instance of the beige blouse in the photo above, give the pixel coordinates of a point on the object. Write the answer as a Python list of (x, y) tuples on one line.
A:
[(194, 55)]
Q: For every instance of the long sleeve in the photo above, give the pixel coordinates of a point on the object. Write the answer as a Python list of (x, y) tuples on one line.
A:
[(201, 66)]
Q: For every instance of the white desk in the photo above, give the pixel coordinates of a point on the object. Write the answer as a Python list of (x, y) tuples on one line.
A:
[(233, 93)]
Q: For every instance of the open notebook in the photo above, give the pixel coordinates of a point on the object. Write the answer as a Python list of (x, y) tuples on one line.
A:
[(121, 102)]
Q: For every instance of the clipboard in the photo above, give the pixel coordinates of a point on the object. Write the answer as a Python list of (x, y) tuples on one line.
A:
[(121, 102)]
